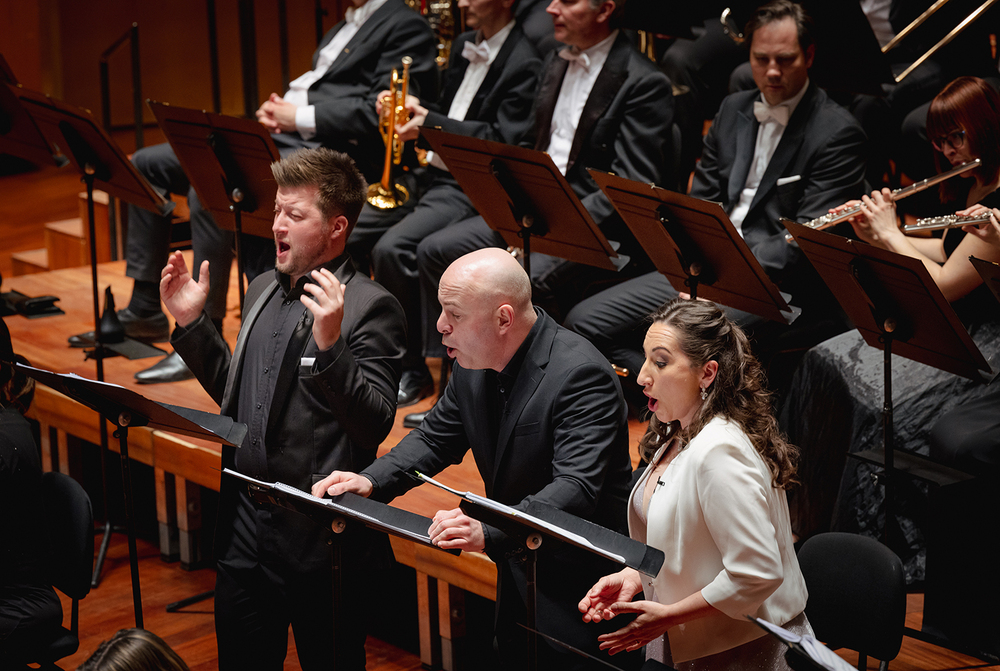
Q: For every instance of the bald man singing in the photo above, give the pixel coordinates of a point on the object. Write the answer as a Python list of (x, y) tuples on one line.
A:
[(543, 414)]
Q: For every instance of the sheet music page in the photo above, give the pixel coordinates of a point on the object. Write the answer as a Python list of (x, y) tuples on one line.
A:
[(73, 376), (818, 652)]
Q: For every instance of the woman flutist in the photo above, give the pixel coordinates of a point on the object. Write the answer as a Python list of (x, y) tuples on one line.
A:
[(963, 124), (834, 405)]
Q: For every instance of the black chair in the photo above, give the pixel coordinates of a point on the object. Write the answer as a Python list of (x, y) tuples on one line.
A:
[(857, 595), (69, 557)]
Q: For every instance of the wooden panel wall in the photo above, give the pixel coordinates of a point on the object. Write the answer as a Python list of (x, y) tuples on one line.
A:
[(55, 46)]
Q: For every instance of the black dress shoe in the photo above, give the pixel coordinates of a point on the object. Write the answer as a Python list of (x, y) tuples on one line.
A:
[(147, 329), (170, 369), (413, 386), (414, 419)]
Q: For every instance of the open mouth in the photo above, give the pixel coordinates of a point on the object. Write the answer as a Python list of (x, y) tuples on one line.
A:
[(283, 247)]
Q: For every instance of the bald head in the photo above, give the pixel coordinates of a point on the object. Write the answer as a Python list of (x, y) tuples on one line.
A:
[(492, 276), (486, 310)]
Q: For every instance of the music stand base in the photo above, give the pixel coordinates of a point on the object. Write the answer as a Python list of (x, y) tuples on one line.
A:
[(190, 601)]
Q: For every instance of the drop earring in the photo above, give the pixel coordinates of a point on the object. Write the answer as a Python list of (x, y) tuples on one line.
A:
[(704, 393)]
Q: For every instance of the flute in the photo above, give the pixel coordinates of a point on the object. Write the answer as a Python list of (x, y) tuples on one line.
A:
[(834, 218), (947, 221)]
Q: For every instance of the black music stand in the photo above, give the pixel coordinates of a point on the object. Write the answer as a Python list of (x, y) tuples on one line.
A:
[(895, 305), (73, 132), (124, 408), (19, 136), (338, 512), (695, 246), (523, 196), (228, 161), (541, 521)]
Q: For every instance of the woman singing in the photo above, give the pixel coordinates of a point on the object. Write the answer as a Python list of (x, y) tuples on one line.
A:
[(713, 499)]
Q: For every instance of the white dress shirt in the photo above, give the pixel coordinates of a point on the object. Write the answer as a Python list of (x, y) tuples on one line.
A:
[(769, 134), (581, 74), (877, 13), (298, 90), (480, 56)]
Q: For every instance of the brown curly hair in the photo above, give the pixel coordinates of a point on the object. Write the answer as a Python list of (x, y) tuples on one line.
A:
[(737, 393)]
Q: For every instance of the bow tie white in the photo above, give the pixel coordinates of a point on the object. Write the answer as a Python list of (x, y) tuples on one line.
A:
[(476, 53), (763, 112), (573, 55)]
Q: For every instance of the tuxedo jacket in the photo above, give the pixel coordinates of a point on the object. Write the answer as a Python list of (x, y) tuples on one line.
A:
[(501, 109), (624, 128), (563, 440), (345, 95), (320, 420), (818, 164)]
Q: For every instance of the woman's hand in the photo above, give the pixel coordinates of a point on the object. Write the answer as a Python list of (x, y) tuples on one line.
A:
[(610, 590), (988, 232), (654, 619), (876, 222)]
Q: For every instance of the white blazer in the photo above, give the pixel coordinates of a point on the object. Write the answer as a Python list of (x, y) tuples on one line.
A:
[(724, 530)]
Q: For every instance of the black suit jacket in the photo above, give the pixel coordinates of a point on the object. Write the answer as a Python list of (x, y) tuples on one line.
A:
[(501, 108), (345, 95), (563, 440), (820, 161), (321, 420), (624, 128)]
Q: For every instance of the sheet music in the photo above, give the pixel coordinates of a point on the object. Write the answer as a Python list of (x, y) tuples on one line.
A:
[(557, 532), (816, 651)]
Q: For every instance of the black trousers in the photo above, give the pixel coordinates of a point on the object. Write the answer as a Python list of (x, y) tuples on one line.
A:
[(615, 321), (394, 255), (259, 593)]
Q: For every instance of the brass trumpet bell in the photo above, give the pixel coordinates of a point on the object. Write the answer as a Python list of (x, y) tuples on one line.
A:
[(382, 198)]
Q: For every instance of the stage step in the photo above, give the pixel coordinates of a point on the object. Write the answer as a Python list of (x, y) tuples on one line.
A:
[(101, 226), (30, 262)]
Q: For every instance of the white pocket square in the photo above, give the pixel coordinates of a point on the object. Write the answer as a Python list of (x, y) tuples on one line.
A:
[(788, 180)]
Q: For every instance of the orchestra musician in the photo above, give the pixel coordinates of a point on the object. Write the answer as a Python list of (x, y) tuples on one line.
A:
[(826, 407), (600, 104), (487, 93), (782, 150)]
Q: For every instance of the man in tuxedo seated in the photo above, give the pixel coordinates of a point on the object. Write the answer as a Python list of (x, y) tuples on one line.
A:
[(487, 93), (782, 150), (542, 412), (331, 105), (600, 104), (313, 376)]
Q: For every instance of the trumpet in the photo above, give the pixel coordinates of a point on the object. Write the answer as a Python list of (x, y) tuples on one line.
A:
[(947, 221), (834, 218), (387, 195)]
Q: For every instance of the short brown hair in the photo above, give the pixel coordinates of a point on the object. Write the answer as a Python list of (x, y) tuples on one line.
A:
[(776, 11), (972, 105), (342, 189), (738, 392)]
